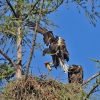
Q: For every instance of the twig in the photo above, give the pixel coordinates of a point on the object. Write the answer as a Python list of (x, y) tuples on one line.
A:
[(7, 57), (48, 11), (94, 76), (34, 40), (33, 6), (11, 8), (91, 91)]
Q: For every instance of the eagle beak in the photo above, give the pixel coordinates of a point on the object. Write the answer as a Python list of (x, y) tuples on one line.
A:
[(71, 67)]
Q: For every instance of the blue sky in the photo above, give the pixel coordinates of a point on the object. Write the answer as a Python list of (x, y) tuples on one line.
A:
[(82, 40)]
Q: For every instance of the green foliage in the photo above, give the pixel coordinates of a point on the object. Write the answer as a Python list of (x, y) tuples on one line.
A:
[(96, 61), (36, 88), (18, 14), (90, 8), (6, 71)]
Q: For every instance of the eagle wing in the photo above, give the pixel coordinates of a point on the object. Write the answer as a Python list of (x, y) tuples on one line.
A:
[(48, 37), (55, 60)]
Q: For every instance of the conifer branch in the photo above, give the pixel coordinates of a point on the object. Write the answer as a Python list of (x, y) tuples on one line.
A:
[(8, 58), (91, 91), (34, 41), (11, 7), (33, 6), (94, 76)]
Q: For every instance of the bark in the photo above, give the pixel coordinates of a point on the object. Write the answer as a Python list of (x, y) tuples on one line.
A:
[(91, 78), (19, 54), (34, 40), (8, 58)]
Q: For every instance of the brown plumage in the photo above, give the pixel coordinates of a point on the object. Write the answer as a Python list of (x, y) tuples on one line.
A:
[(75, 74), (57, 49), (48, 37)]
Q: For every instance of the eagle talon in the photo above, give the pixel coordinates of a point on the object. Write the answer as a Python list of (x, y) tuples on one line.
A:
[(57, 49), (48, 65)]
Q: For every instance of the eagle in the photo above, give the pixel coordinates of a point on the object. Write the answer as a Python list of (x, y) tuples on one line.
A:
[(75, 74), (48, 37), (57, 49)]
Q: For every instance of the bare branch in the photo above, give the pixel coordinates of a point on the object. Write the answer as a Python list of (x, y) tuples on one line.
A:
[(33, 6), (94, 76), (11, 8), (34, 40), (91, 91), (8, 58)]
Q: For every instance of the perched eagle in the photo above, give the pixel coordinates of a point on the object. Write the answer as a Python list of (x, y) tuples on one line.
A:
[(75, 74), (57, 49)]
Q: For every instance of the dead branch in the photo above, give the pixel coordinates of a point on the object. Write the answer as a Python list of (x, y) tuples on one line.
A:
[(94, 76), (8, 58), (34, 41)]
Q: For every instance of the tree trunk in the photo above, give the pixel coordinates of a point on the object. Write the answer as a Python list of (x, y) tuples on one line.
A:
[(19, 54)]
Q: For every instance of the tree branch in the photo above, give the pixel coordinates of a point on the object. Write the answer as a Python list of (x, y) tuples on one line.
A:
[(55, 7), (94, 76), (33, 6), (11, 8), (8, 59), (49, 10), (91, 91), (34, 40), (3, 30), (40, 29)]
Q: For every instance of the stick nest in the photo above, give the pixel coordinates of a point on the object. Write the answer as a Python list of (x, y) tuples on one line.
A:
[(35, 88)]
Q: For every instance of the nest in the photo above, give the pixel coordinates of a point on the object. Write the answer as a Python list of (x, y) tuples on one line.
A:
[(35, 88)]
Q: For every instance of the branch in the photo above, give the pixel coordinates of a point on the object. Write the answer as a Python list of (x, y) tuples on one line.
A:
[(34, 4), (55, 7), (3, 30), (8, 59), (11, 8), (40, 29), (91, 91), (94, 76), (49, 10), (34, 41)]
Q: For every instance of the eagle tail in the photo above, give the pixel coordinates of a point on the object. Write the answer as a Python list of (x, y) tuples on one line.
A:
[(64, 66)]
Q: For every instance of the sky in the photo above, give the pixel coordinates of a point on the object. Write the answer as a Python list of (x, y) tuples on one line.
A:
[(82, 40)]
